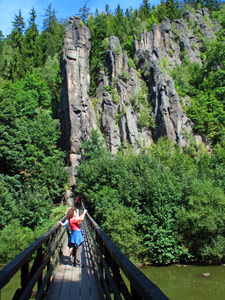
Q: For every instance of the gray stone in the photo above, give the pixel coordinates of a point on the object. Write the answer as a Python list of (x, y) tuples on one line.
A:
[(118, 102), (76, 111)]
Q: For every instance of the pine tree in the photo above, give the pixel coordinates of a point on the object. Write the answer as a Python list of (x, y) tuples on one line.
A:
[(15, 65), (53, 34), (172, 9), (17, 33), (19, 23), (84, 13), (32, 47), (1, 41), (145, 10), (50, 18)]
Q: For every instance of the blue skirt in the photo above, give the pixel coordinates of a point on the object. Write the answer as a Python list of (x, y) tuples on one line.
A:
[(76, 238)]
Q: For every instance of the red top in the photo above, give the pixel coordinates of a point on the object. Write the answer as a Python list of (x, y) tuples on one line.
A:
[(74, 224)]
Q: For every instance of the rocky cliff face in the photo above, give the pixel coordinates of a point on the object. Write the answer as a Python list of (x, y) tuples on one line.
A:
[(136, 101), (76, 111)]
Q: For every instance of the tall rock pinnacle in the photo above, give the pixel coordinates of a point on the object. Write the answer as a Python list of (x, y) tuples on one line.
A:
[(76, 112)]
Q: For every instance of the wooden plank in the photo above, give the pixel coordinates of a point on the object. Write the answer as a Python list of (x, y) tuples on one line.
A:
[(75, 283), (66, 284), (85, 287), (55, 287), (71, 281), (96, 291), (56, 284), (75, 292)]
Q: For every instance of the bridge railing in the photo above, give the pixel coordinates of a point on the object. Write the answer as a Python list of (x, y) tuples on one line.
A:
[(119, 277), (36, 264)]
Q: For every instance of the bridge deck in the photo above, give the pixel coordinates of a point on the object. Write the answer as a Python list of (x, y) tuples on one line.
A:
[(75, 283)]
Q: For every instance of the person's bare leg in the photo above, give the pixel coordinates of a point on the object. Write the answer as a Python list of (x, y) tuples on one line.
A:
[(71, 253)]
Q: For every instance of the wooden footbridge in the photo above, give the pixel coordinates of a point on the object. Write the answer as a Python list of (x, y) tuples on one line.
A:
[(46, 271)]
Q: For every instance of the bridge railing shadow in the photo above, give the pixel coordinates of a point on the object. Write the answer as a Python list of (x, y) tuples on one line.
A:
[(118, 276)]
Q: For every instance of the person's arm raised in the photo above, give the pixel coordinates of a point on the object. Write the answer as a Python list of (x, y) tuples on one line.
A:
[(81, 217)]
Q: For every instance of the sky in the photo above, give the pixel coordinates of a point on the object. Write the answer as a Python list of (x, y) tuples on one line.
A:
[(64, 9)]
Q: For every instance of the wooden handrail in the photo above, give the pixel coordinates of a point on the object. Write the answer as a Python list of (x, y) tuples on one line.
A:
[(47, 249), (111, 263)]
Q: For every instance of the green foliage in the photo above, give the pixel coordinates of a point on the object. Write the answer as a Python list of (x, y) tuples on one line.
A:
[(118, 49), (164, 64), (219, 15), (93, 147), (176, 33), (53, 34), (50, 74), (32, 166), (15, 238), (10, 188), (32, 47), (119, 221), (84, 14), (34, 209), (191, 23), (170, 52), (154, 193), (124, 75), (131, 63), (113, 92), (201, 221), (205, 85), (129, 50), (145, 9), (212, 120), (58, 212), (99, 32), (145, 118), (115, 96)]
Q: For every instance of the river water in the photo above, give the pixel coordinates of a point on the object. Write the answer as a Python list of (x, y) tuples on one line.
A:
[(176, 282), (180, 282)]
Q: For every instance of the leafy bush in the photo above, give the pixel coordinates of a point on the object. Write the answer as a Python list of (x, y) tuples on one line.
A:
[(165, 197), (201, 221)]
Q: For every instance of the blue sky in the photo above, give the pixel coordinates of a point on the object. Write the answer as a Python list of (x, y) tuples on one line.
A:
[(63, 8)]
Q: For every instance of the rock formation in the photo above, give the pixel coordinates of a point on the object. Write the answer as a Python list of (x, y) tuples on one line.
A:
[(136, 101), (119, 121), (76, 111)]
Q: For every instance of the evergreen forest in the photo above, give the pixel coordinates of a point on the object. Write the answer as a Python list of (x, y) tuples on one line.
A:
[(161, 206)]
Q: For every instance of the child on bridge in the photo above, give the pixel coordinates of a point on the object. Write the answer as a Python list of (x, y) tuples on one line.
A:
[(66, 224), (76, 238)]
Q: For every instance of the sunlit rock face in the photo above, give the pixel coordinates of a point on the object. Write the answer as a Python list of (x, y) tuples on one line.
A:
[(156, 53), (136, 101), (76, 111)]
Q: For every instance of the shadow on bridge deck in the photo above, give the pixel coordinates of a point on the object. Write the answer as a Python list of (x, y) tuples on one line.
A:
[(75, 283)]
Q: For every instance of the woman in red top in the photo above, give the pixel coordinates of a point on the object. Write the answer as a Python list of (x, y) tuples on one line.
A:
[(76, 238)]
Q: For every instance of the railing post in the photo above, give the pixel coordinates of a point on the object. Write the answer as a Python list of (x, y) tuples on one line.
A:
[(24, 275), (39, 261), (113, 266), (24, 281), (100, 246), (134, 294), (107, 258)]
